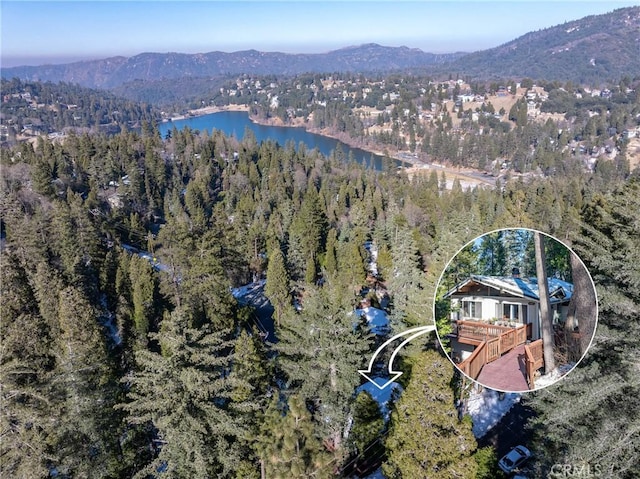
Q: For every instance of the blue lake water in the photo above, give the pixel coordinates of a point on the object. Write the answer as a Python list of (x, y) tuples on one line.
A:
[(234, 123)]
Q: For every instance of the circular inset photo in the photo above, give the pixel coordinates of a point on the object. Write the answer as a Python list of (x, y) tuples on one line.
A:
[(515, 309)]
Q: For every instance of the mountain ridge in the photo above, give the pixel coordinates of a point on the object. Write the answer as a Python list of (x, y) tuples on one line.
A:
[(587, 50), (593, 49), (114, 71)]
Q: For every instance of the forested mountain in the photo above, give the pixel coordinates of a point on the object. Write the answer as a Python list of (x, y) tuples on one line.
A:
[(588, 51), (120, 363), (520, 127), (112, 72), (592, 50), (29, 109), (128, 351)]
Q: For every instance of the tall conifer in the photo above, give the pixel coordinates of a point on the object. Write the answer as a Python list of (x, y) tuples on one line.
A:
[(427, 439), (277, 289), (184, 393)]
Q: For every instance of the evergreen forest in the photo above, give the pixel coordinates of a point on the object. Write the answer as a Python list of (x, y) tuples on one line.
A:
[(127, 352)]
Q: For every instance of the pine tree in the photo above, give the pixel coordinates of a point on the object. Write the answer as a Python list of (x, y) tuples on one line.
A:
[(384, 261), (546, 320), (426, 438), (250, 366), (320, 351), (368, 422), (42, 177), (601, 393), (307, 234), (583, 308), (492, 254), (184, 392), (330, 259), (514, 242), (85, 425), (288, 447), (351, 271), (205, 285), (277, 288), (26, 363), (73, 240), (310, 272), (143, 297), (406, 284), (250, 381)]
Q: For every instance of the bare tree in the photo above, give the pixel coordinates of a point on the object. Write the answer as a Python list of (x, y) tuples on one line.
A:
[(546, 318)]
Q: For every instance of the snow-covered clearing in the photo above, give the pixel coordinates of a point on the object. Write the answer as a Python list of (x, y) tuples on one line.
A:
[(486, 409), (252, 293), (377, 319), (382, 396), (373, 257), (377, 474), (242, 291), (108, 320)]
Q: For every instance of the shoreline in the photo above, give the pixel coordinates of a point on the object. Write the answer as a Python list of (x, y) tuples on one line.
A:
[(411, 162), (207, 110), (401, 156)]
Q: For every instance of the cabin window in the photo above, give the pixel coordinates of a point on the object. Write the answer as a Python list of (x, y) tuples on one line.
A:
[(472, 309), (510, 311), (514, 312)]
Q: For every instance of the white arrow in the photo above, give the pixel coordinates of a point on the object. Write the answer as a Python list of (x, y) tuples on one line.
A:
[(393, 375)]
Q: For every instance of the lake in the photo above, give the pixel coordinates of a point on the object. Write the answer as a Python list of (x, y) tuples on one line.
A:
[(234, 123)]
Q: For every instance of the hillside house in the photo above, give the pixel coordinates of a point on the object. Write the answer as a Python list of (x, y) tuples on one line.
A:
[(467, 98), (497, 328), (503, 301)]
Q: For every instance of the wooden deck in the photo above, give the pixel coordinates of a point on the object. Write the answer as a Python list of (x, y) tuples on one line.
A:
[(501, 356), (508, 373)]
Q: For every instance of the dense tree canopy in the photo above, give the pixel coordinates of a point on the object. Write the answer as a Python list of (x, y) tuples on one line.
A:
[(126, 354), (591, 418), (426, 438)]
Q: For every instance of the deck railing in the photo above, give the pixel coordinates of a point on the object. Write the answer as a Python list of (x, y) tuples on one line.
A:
[(495, 341), (479, 331), (534, 358), (474, 363), (494, 349)]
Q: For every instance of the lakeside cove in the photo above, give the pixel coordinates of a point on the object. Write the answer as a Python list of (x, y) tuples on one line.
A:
[(233, 120)]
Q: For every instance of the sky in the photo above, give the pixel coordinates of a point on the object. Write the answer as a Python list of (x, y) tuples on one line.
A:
[(38, 32)]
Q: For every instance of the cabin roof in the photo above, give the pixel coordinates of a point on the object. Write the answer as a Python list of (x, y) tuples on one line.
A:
[(559, 291)]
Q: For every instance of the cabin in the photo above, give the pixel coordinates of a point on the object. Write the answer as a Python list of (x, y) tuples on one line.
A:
[(507, 300), (496, 314)]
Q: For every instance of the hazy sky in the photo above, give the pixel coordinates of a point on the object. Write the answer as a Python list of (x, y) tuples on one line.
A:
[(36, 32)]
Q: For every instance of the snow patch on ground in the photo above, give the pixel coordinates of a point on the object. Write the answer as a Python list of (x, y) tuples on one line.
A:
[(377, 474), (251, 294), (373, 257), (486, 409), (108, 320), (242, 291), (377, 319), (553, 376), (382, 396)]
